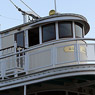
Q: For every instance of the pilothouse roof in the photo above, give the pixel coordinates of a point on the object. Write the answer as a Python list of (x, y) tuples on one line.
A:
[(54, 18)]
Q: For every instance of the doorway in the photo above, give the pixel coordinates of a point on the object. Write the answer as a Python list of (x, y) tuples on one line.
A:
[(20, 41)]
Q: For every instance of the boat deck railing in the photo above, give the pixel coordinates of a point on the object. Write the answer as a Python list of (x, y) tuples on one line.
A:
[(59, 53)]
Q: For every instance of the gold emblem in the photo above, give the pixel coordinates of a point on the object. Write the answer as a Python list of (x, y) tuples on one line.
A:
[(71, 49)]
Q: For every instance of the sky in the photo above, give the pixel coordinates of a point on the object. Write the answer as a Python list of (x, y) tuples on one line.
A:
[(10, 17)]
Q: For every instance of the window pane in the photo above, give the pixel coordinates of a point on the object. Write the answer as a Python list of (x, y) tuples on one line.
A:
[(78, 29), (33, 35), (19, 38), (48, 32), (65, 29)]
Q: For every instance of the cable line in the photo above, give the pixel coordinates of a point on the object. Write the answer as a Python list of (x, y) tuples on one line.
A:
[(29, 8), (10, 18), (19, 9)]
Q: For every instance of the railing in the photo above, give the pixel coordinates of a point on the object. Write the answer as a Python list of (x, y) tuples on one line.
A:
[(46, 56)]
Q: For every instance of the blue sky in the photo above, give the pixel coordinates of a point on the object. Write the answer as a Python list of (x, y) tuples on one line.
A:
[(10, 17)]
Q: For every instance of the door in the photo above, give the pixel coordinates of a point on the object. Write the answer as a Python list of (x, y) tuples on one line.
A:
[(20, 40)]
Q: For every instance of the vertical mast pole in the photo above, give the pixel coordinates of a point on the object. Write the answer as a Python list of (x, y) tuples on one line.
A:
[(55, 6), (24, 18)]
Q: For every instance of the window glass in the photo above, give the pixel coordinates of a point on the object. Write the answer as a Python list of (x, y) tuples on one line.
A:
[(65, 29), (33, 35), (48, 32), (78, 30), (19, 38)]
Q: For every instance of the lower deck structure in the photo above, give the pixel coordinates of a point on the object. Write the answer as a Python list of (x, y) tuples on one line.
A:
[(77, 85)]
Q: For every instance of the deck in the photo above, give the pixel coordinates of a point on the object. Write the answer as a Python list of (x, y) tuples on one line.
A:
[(15, 61)]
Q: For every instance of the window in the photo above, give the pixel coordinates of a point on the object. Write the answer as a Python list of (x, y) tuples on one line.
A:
[(19, 38), (33, 35), (65, 29), (48, 32), (78, 30)]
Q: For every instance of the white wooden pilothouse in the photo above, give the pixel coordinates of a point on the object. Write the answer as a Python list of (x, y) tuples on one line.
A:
[(48, 56)]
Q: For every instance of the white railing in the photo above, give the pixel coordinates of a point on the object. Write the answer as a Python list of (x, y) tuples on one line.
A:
[(46, 56)]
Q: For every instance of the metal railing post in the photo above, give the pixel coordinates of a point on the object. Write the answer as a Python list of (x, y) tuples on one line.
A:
[(54, 56), (15, 50), (3, 69), (26, 66), (77, 51), (25, 89)]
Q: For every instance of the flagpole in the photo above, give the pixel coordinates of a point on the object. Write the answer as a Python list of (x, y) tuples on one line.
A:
[(55, 6)]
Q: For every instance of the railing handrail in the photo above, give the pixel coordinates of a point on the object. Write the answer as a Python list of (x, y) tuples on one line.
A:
[(6, 48), (46, 44)]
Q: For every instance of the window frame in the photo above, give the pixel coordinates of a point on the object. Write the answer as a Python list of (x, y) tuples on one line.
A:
[(54, 31), (15, 38), (80, 25), (38, 36), (71, 29)]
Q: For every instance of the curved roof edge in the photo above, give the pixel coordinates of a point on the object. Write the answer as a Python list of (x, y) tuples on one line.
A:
[(48, 17)]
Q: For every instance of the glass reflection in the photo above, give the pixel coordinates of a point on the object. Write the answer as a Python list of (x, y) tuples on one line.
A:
[(65, 29), (48, 32), (78, 30)]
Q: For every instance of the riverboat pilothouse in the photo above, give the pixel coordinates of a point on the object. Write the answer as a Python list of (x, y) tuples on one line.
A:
[(48, 56)]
